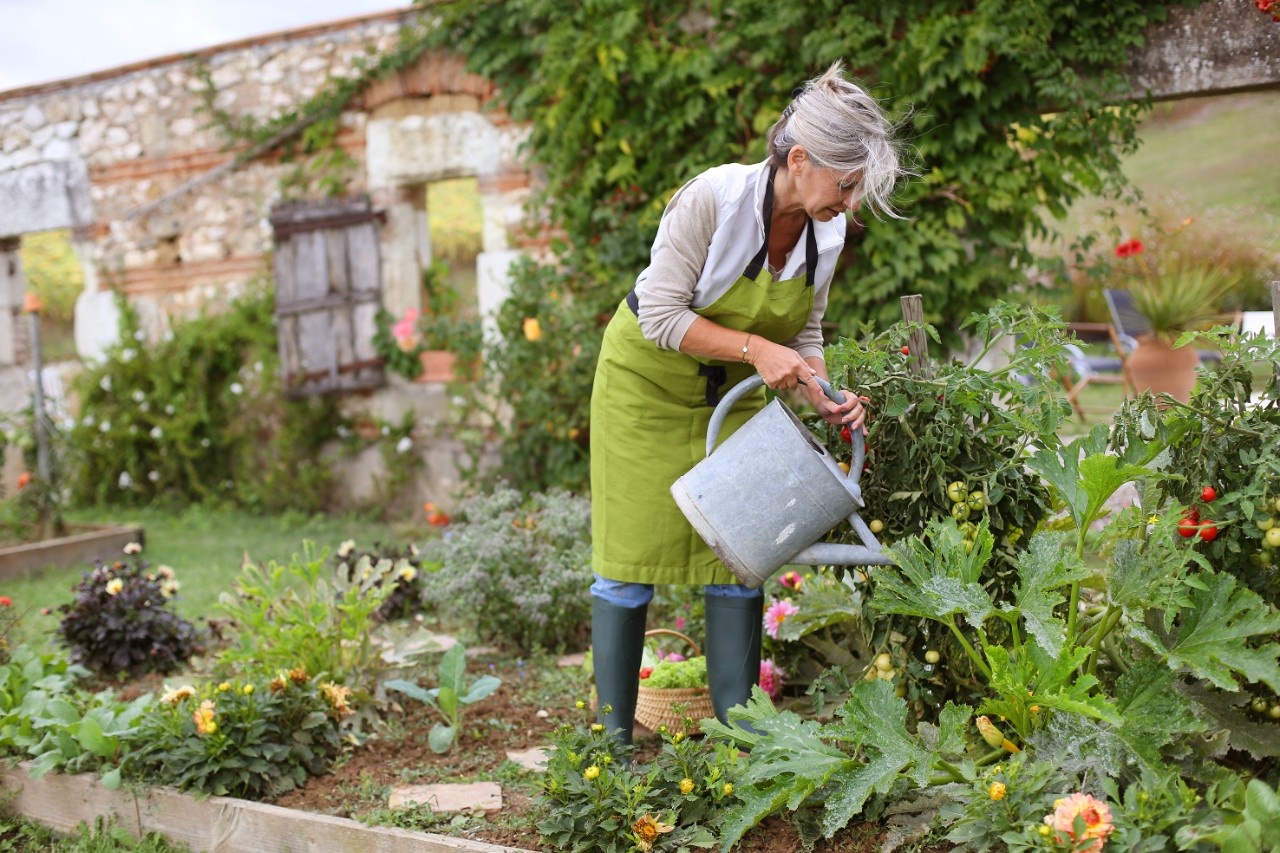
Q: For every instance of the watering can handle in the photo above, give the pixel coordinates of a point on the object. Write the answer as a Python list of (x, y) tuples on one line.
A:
[(751, 383)]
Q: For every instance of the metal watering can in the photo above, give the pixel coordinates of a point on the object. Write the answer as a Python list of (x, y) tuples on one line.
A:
[(764, 497)]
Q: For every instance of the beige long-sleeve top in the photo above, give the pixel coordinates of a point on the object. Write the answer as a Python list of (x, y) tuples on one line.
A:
[(710, 231)]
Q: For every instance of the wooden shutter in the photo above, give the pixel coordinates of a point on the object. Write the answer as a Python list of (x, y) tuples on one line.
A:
[(328, 291)]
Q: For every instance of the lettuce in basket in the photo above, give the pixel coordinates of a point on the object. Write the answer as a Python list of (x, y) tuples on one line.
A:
[(671, 675)]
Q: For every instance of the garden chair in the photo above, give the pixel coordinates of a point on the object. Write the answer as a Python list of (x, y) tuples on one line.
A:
[(1253, 322), (1084, 370)]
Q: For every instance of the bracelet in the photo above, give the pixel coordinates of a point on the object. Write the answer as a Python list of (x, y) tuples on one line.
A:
[(745, 346)]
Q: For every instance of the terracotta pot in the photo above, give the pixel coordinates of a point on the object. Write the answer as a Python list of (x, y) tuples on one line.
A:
[(1158, 367), (438, 365)]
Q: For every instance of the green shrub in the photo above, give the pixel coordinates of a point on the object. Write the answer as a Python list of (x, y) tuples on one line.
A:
[(122, 621), (199, 416), (516, 568), (241, 739)]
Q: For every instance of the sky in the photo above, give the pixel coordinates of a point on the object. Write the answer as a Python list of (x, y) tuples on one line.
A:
[(44, 40)]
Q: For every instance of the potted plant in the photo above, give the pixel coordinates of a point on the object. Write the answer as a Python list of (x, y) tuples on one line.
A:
[(1168, 297), (428, 345)]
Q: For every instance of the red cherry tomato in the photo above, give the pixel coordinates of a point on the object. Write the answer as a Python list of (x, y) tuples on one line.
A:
[(846, 434), (1208, 532), (1207, 494), (1187, 527), (1191, 513), (906, 350)]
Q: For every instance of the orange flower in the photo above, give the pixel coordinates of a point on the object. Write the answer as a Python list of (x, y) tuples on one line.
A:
[(1097, 821), (993, 736), (24, 479), (647, 830), (532, 329), (203, 717), (435, 516)]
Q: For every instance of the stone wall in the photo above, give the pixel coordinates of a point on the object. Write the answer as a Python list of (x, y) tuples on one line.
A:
[(160, 212)]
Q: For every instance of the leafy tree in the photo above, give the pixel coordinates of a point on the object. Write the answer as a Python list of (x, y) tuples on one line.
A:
[(1011, 109)]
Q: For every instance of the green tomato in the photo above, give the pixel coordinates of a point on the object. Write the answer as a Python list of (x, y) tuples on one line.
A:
[(1274, 711), (977, 501), (884, 662), (1273, 537), (1276, 505), (957, 492), (932, 656), (1259, 706), (1266, 522), (960, 511)]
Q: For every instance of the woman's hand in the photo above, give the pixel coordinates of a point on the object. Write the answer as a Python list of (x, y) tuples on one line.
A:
[(851, 412), (781, 367)]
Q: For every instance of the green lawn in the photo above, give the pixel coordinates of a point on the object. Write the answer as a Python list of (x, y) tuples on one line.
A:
[(206, 549)]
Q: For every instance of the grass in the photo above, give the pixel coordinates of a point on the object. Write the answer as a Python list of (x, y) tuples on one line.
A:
[(205, 547)]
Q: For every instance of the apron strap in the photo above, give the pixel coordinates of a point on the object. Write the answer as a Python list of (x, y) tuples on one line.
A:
[(810, 241), (716, 376)]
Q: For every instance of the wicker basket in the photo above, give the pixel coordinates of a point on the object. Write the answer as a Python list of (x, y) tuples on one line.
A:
[(654, 706)]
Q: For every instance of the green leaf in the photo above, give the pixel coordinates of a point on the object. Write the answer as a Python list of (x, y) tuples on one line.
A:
[(1085, 475), (938, 582), (440, 738), (1152, 711), (413, 691), (448, 700), (1046, 565), (483, 686), (1226, 630), (89, 733), (452, 667), (111, 779)]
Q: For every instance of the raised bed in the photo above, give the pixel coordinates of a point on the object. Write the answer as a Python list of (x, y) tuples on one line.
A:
[(83, 544), (215, 824)]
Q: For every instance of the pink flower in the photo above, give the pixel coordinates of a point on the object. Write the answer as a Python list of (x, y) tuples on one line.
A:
[(777, 614), (674, 657), (792, 580), (679, 623), (771, 676), (1095, 814)]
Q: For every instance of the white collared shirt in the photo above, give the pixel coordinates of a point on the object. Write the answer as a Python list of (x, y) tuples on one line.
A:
[(711, 229)]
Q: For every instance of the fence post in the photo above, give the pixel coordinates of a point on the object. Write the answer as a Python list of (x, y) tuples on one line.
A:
[(918, 342)]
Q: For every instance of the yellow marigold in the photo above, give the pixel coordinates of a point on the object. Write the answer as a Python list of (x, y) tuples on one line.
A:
[(580, 704), (597, 727), (1097, 821), (592, 772), (298, 675), (997, 791), (114, 586), (203, 717), (224, 687), (175, 695), (728, 789), (686, 786), (679, 736), (247, 689), (532, 329), (647, 829), (336, 695)]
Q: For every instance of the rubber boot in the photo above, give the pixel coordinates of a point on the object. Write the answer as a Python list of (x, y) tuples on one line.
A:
[(733, 650), (617, 643)]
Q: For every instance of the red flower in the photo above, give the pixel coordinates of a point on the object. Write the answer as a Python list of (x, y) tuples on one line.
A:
[(1129, 248), (646, 672), (6, 601), (23, 479)]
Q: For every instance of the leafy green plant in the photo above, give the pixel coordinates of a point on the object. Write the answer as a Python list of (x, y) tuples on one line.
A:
[(449, 697), (241, 739), (438, 326), (122, 621), (199, 417), (514, 567), (669, 675), (405, 579), (305, 614), (594, 798)]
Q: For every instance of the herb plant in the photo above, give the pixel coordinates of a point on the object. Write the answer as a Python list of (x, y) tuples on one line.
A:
[(122, 622), (449, 697)]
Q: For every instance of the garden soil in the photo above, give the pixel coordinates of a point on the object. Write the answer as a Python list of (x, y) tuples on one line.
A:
[(504, 721)]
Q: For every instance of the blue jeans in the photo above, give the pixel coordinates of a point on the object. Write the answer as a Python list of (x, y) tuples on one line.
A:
[(626, 594)]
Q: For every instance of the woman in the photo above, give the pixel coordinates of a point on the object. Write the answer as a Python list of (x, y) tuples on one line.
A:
[(737, 283)]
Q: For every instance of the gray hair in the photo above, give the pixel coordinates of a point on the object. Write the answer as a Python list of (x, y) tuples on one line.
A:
[(843, 128)]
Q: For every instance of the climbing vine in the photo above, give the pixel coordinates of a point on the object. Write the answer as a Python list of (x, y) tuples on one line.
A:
[(1010, 109)]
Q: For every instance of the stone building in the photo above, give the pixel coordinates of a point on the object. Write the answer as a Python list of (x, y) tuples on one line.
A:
[(162, 211)]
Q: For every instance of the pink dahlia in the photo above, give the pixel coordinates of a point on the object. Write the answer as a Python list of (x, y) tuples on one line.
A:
[(777, 614), (771, 676)]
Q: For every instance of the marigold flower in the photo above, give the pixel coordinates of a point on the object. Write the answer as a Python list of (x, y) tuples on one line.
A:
[(224, 687), (647, 829), (728, 789), (174, 695), (592, 772), (532, 329), (580, 704), (114, 586), (298, 675), (203, 717), (597, 727), (997, 791), (247, 689), (279, 683), (778, 612), (336, 695), (1097, 821), (686, 785)]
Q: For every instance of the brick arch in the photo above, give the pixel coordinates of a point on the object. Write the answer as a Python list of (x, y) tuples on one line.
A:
[(434, 73)]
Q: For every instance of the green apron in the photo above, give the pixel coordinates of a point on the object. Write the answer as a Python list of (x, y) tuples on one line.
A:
[(650, 408)]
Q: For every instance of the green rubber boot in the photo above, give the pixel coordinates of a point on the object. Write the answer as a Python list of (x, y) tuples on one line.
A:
[(617, 643), (733, 650)]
